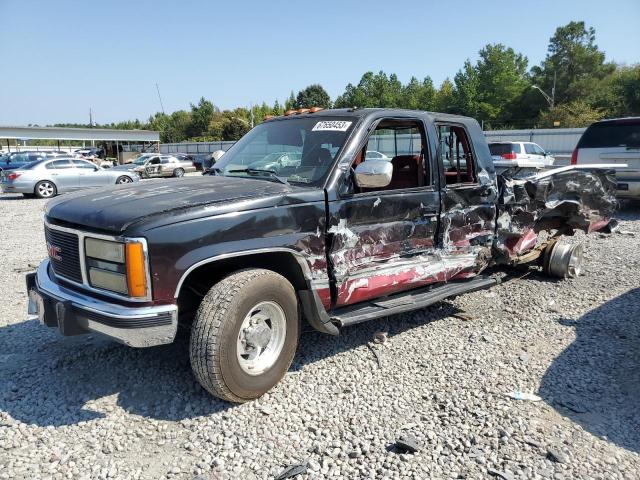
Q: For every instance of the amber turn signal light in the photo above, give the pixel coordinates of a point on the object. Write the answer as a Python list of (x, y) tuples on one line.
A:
[(136, 272)]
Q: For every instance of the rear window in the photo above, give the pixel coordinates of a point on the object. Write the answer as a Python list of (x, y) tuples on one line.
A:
[(603, 135), (502, 148)]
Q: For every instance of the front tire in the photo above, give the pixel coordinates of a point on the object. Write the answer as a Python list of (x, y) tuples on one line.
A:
[(245, 334), (45, 189), (178, 172), (123, 179)]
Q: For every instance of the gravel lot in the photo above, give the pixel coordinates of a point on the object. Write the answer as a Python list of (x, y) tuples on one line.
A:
[(84, 407)]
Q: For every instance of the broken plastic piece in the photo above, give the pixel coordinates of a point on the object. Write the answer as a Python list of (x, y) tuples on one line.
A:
[(518, 395), (407, 444), (293, 470)]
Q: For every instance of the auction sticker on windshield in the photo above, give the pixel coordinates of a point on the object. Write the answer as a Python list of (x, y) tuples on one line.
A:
[(331, 126)]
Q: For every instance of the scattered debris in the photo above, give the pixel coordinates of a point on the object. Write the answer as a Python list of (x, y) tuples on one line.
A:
[(518, 395), (532, 442), (29, 268), (381, 337), (497, 473), (408, 426), (556, 455), (524, 357), (626, 232), (466, 316), (293, 470), (407, 444), (266, 410), (375, 354), (475, 452)]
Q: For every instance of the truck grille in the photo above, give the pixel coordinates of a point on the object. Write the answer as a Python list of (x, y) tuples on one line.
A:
[(64, 254)]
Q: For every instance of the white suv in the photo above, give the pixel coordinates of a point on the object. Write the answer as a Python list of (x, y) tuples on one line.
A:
[(519, 154), (613, 141)]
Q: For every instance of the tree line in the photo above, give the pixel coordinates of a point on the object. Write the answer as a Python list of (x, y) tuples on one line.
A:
[(572, 87)]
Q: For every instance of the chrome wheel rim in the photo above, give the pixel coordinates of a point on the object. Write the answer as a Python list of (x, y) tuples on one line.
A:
[(124, 180), (179, 172), (261, 338), (46, 189)]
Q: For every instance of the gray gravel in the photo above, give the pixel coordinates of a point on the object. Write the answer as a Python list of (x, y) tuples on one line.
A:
[(84, 407)]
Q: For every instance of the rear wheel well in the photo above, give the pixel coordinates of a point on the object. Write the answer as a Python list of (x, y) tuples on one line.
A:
[(201, 279)]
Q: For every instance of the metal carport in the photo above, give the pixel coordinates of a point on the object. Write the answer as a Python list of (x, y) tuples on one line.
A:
[(82, 134)]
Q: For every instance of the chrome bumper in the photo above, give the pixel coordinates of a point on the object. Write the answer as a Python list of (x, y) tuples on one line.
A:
[(75, 313)]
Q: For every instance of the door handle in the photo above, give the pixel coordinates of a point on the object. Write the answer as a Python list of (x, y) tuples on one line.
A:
[(54, 174)]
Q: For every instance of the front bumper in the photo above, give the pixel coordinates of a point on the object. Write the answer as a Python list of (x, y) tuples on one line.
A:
[(75, 313)]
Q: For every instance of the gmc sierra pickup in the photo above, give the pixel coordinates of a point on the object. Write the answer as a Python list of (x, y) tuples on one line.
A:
[(240, 257)]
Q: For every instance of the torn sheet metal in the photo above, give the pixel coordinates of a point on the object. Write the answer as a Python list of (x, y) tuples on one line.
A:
[(564, 198)]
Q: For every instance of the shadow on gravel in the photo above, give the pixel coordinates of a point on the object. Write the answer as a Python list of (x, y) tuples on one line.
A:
[(50, 380), (47, 379), (596, 381)]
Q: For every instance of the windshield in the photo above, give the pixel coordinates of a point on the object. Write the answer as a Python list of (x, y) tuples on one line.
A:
[(141, 160), (300, 150)]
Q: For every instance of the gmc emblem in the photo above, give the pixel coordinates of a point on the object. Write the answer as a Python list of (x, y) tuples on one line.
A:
[(54, 251)]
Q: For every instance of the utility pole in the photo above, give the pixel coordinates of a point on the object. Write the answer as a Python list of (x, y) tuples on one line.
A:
[(90, 118), (160, 98)]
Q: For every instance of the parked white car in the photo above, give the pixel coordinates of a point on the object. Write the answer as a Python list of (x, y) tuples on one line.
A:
[(615, 141), (519, 154)]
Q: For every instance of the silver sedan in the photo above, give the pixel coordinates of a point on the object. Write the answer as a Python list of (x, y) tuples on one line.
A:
[(47, 178)]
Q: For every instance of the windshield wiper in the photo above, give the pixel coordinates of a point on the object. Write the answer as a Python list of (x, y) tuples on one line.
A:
[(260, 170)]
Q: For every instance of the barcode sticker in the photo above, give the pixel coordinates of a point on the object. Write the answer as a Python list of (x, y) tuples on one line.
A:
[(331, 126)]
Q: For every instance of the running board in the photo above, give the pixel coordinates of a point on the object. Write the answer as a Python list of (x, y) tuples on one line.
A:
[(407, 301)]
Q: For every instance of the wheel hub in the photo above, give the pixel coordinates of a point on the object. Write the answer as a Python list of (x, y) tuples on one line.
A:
[(261, 338)]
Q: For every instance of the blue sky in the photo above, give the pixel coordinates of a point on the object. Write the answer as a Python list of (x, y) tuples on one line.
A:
[(62, 57)]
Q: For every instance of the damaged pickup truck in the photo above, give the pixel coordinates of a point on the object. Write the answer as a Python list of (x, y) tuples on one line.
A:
[(241, 257)]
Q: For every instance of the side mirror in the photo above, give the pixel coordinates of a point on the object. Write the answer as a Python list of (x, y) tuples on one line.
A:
[(374, 174)]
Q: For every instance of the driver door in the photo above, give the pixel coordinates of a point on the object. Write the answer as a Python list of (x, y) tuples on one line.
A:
[(152, 168), (382, 240)]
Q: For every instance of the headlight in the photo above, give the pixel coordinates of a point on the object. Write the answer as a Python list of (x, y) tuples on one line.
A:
[(104, 250), (117, 267)]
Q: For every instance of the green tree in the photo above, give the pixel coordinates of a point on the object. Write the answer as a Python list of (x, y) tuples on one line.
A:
[(445, 97), (573, 63), (179, 125), (574, 114), (313, 96), (466, 99), (277, 109), (290, 102), (201, 116), (502, 79)]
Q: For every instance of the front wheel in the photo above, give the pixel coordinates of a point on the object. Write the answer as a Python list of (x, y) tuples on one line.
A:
[(245, 334), (123, 179), (45, 189)]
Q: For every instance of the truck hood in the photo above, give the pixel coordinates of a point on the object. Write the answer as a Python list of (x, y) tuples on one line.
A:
[(115, 209)]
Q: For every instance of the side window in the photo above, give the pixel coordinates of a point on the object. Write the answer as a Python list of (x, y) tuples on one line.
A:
[(85, 165), (59, 165), (530, 149), (154, 161), (538, 149), (455, 154), (401, 142)]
